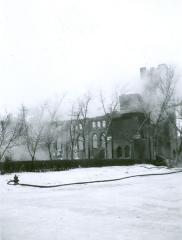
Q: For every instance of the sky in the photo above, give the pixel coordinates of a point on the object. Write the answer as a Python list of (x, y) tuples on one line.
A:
[(52, 47)]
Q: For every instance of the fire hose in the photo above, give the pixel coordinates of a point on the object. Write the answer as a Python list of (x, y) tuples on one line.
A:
[(16, 183)]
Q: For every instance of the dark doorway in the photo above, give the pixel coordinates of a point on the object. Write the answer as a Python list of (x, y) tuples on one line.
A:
[(119, 152), (127, 151)]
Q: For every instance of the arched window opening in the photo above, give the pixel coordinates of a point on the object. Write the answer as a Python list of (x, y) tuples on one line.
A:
[(93, 124), (80, 142), (119, 152), (94, 141), (98, 124), (127, 151), (103, 123), (103, 140)]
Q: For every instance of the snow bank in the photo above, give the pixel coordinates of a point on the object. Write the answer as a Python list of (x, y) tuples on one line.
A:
[(139, 208)]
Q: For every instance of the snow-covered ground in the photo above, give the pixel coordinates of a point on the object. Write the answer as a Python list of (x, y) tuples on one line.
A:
[(136, 209)]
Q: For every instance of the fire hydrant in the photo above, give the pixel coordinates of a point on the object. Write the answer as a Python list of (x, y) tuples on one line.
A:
[(16, 179)]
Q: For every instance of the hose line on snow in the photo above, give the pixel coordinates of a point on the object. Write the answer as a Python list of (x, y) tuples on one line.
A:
[(12, 182)]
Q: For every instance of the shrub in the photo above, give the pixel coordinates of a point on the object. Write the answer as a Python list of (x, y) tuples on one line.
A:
[(61, 165)]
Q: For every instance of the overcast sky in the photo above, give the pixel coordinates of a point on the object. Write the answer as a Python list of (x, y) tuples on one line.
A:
[(48, 47)]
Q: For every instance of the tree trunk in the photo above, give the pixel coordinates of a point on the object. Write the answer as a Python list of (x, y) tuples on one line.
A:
[(50, 154)]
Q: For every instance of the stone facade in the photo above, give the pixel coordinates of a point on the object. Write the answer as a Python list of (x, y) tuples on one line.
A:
[(123, 136)]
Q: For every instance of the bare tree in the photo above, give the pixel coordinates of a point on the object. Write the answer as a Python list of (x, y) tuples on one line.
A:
[(50, 133), (83, 107), (176, 124), (10, 132), (110, 110), (178, 127), (49, 137), (73, 127), (33, 130), (158, 99), (78, 125)]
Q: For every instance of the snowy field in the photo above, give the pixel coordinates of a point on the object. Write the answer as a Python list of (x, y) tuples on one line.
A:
[(132, 209)]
